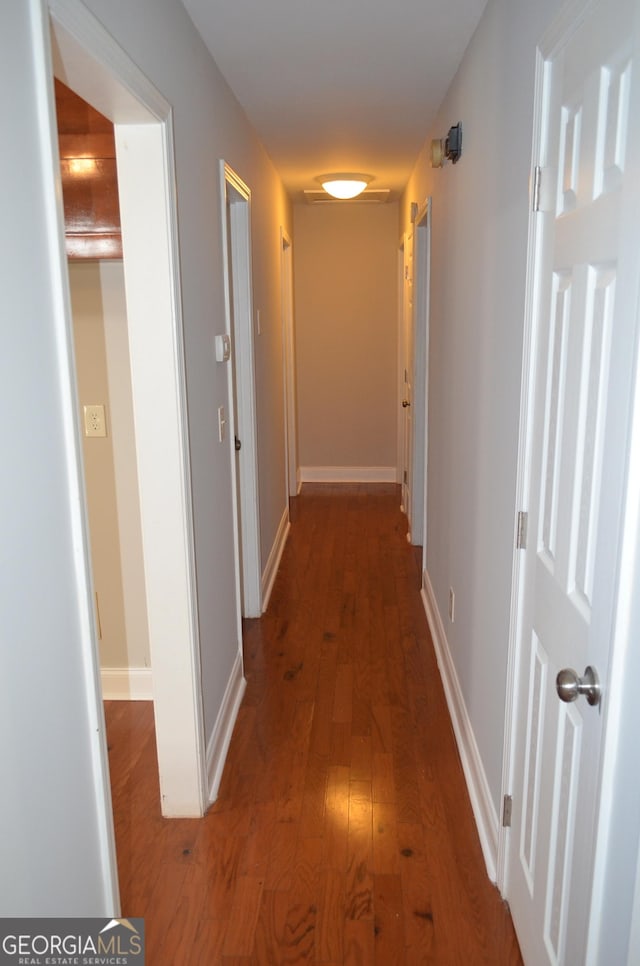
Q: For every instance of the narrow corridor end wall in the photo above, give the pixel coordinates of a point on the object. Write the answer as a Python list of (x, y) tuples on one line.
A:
[(345, 278)]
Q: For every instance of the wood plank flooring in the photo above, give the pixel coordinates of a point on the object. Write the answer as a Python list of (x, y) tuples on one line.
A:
[(343, 832)]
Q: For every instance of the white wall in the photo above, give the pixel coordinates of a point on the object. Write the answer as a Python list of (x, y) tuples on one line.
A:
[(345, 285), (114, 309), (99, 474), (102, 366), (46, 604)]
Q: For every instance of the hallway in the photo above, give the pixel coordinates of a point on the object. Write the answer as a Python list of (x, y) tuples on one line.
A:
[(343, 832)]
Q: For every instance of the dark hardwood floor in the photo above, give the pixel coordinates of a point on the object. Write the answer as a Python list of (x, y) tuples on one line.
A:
[(343, 832)]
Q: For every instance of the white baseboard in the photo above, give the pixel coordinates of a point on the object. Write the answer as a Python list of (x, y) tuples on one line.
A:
[(348, 474), (271, 569), (127, 683), (487, 820), (218, 743)]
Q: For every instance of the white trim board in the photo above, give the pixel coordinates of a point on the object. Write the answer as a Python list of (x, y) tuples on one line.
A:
[(218, 744), (273, 563), (484, 812), (348, 474), (127, 683)]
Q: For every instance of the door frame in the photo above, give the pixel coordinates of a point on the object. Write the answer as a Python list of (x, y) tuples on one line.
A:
[(420, 322), (618, 784), (289, 364), (86, 57), (236, 253), (400, 365), (406, 367)]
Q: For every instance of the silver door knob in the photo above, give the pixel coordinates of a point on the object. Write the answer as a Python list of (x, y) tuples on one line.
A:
[(569, 686)]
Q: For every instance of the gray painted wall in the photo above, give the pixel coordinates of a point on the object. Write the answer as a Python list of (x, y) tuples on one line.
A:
[(55, 821), (479, 251), (479, 257)]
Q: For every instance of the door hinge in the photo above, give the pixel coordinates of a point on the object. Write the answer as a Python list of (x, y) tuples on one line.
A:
[(543, 188), (404, 477), (507, 806), (521, 534), (535, 194)]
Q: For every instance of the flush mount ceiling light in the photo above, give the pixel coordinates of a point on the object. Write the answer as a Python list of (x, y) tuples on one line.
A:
[(344, 185)]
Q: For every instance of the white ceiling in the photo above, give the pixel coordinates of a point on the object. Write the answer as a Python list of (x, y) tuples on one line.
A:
[(346, 85)]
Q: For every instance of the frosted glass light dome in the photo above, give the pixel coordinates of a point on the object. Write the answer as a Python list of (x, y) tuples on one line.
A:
[(344, 186)]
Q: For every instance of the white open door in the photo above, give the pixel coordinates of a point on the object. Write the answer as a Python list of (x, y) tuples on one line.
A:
[(407, 374), (236, 243), (289, 365), (583, 310), (420, 327)]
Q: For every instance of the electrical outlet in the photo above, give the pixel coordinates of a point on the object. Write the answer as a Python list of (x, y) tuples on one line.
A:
[(452, 605), (94, 421)]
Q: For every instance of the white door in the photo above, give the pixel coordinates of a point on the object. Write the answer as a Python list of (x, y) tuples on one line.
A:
[(407, 392), (236, 234), (584, 325), (420, 327), (235, 376), (289, 364)]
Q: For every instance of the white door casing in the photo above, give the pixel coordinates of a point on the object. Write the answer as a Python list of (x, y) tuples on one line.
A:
[(400, 369), (407, 375), (236, 243), (420, 341), (582, 306), (289, 365)]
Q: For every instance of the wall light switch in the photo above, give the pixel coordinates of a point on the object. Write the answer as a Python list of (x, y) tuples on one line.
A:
[(94, 421)]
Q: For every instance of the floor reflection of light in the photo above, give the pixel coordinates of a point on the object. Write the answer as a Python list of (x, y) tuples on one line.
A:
[(337, 803), (81, 167)]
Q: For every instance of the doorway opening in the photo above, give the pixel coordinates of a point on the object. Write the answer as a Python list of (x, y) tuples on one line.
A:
[(89, 62), (422, 258), (413, 310), (405, 341), (236, 235), (100, 327), (289, 364)]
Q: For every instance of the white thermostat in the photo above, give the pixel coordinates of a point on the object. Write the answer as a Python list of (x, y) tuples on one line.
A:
[(223, 348)]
